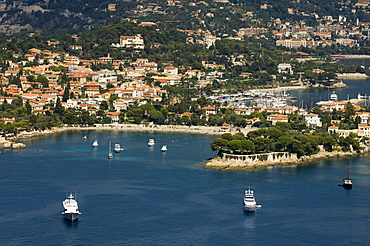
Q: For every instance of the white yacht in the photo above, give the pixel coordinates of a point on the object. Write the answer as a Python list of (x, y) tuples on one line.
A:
[(70, 206), (164, 148), (249, 202), (151, 142), (95, 143), (117, 148), (333, 96)]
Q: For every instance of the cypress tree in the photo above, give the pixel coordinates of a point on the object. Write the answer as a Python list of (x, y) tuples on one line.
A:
[(66, 93)]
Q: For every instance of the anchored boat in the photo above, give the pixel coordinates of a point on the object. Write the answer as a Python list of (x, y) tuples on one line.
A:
[(110, 154), (117, 148), (164, 148), (151, 142), (95, 143), (347, 182), (249, 202), (70, 206)]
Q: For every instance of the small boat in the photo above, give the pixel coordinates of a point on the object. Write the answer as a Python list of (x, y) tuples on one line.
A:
[(117, 148), (110, 154), (347, 182), (164, 148), (95, 143), (85, 137), (249, 202), (70, 207), (151, 142)]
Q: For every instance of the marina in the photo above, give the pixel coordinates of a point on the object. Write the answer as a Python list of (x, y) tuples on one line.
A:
[(358, 92), (270, 99)]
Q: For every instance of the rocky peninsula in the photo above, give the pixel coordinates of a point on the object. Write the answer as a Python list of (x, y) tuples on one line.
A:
[(219, 163)]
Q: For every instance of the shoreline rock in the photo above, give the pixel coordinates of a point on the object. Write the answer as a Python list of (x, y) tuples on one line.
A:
[(218, 163), (352, 76)]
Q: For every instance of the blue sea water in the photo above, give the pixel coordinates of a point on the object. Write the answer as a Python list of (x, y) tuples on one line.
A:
[(309, 97), (145, 197)]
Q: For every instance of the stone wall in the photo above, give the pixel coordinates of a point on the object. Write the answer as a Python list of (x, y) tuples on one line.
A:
[(268, 157), (229, 161)]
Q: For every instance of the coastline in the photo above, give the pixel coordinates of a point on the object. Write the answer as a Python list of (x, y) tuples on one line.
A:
[(124, 127), (281, 88), (218, 163), (352, 76), (215, 163)]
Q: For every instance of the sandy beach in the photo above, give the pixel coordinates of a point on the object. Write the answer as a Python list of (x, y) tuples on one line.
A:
[(210, 130)]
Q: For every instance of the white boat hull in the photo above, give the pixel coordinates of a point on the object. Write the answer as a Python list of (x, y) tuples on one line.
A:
[(71, 216), (70, 206)]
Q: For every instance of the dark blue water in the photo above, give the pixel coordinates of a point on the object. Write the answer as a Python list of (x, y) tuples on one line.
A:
[(309, 97), (145, 197)]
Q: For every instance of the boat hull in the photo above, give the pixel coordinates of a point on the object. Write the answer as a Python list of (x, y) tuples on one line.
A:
[(347, 183), (346, 186), (71, 216), (249, 209)]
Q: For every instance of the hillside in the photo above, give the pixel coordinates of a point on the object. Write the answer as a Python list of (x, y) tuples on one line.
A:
[(54, 18)]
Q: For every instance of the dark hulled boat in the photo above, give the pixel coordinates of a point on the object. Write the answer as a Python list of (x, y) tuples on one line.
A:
[(347, 182)]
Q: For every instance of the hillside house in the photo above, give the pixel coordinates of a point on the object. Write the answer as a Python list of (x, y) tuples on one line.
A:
[(313, 120), (136, 42)]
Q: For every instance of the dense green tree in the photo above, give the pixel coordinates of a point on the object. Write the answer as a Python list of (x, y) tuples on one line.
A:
[(227, 136), (156, 116), (262, 144), (66, 93), (104, 105), (59, 109), (218, 144), (239, 136)]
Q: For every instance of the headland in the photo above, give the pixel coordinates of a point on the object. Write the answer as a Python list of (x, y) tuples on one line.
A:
[(216, 163)]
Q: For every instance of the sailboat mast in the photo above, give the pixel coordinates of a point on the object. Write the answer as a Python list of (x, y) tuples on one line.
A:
[(348, 169)]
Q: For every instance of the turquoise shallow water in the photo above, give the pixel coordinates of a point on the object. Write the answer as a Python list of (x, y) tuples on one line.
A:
[(145, 197)]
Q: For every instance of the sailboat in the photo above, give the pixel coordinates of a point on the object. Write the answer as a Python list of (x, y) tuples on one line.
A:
[(110, 154), (164, 148), (347, 182)]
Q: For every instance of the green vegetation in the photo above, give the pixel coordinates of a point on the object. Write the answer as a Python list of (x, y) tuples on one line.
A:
[(281, 138)]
